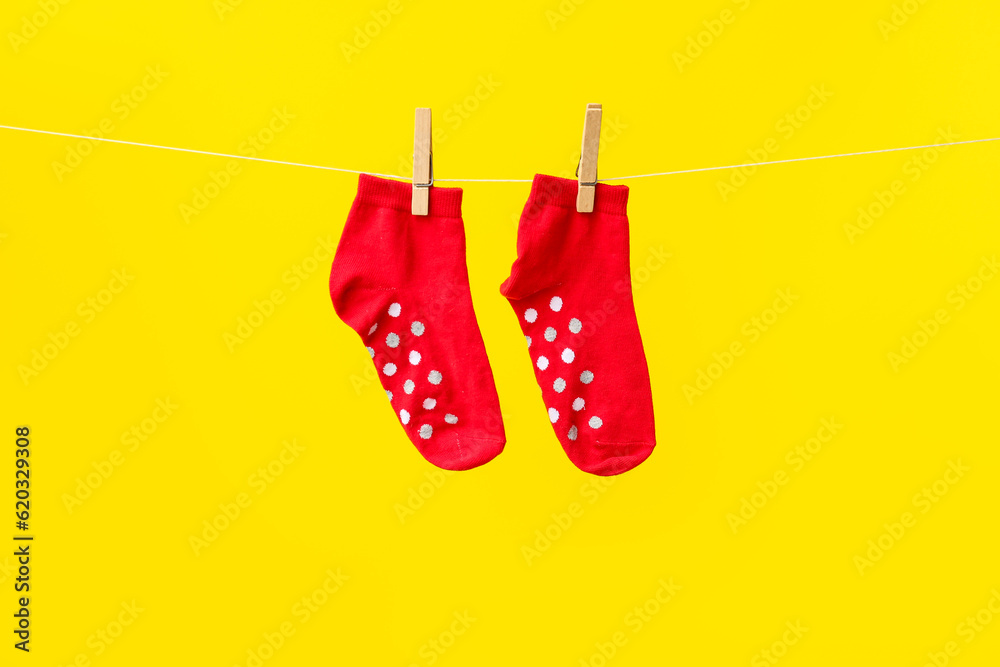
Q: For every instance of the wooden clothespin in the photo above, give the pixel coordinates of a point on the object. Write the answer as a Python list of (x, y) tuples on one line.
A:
[(586, 172), (423, 167)]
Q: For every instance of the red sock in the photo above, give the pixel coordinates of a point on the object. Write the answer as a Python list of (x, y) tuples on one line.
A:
[(400, 281), (571, 291)]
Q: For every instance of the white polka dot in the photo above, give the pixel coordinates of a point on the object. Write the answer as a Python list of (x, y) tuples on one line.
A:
[(372, 330), (408, 386), (450, 418), (530, 315), (404, 417), (417, 328), (578, 403), (575, 325), (550, 334), (528, 338), (429, 403), (389, 369), (434, 377), (392, 340), (568, 355), (586, 377), (389, 394), (595, 422), (414, 357), (394, 310), (542, 363), (555, 303), (559, 385), (426, 431), (572, 433), (553, 415), (371, 352)]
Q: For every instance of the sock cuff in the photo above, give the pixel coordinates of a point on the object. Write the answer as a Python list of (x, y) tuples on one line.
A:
[(385, 193), (555, 191)]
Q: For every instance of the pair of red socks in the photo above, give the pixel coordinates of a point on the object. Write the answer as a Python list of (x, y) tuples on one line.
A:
[(401, 282)]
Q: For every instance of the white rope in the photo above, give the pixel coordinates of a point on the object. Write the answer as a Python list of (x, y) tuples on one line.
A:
[(478, 180), (801, 159), (492, 180), (191, 150)]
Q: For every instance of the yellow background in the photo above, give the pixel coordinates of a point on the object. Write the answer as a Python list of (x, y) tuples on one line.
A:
[(301, 375)]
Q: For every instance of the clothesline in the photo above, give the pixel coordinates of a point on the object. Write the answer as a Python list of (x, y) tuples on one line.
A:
[(493, 180)]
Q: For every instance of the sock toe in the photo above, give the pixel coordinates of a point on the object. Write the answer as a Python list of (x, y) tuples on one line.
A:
[(462, 452), (613, 459)]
